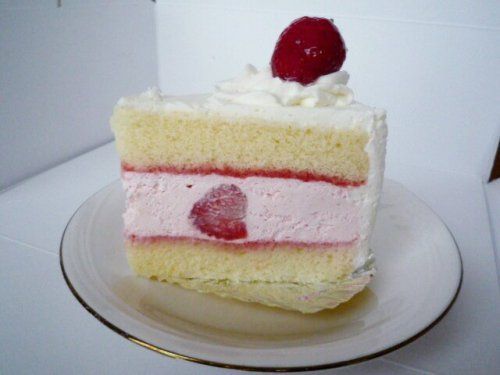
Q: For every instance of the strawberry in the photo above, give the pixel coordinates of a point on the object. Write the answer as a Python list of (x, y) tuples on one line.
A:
[(307, 49), (220, 213)]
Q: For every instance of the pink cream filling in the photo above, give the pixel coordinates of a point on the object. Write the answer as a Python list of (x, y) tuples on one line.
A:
[(279, 210)]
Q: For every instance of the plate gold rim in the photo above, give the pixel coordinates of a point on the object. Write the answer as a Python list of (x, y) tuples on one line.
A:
[(175, 355)]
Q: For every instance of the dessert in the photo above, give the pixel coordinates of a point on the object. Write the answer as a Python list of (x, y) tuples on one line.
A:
[(265, 190)]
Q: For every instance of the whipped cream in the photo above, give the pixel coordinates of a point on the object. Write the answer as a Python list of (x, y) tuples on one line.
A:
[(153, 99), (259, 87)]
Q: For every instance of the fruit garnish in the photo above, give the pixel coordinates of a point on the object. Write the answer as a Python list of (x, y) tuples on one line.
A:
[(307, 49), (221, 212)]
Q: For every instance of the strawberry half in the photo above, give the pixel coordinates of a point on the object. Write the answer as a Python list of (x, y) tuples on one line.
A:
[(221, 212), (307, 49)]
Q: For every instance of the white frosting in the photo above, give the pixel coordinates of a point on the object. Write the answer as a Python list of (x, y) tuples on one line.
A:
[(255, 87), (279, 209), (375, 148), (154, 100), (328, 102), (352, 116)]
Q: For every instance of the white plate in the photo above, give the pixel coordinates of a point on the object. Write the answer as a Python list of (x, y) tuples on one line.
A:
[(419, 275)]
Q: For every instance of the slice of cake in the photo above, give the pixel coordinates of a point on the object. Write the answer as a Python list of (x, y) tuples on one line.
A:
[(264, 191)]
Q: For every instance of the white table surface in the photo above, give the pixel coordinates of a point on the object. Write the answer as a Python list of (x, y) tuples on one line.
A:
[(44, 330)]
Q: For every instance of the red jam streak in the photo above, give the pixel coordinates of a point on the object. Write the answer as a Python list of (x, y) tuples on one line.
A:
[(250, 245), (244, 173)]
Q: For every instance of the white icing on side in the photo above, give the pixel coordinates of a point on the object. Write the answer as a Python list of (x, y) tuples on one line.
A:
[(375, 148)]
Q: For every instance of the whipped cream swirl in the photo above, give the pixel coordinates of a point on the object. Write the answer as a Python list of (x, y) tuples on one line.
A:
[(259, 87)]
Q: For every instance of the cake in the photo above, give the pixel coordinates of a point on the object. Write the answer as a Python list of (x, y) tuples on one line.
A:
[(265, 190)]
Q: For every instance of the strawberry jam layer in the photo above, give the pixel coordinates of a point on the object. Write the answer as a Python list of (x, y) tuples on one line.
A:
[(244, 173), (251, 245), (240, 210)]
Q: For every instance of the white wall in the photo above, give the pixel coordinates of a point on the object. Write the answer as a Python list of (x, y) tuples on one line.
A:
[(61, 72), (434, 65)]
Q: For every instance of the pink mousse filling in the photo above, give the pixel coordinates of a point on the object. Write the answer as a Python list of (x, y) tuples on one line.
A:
[(279, 210)]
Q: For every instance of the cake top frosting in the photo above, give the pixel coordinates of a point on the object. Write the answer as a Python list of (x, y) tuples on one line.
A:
[(303, 85), (328, 103), (259, 87)]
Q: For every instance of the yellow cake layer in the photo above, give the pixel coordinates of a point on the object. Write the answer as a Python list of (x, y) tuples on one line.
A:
[(285, 276), (190, 139), (165, 260)]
